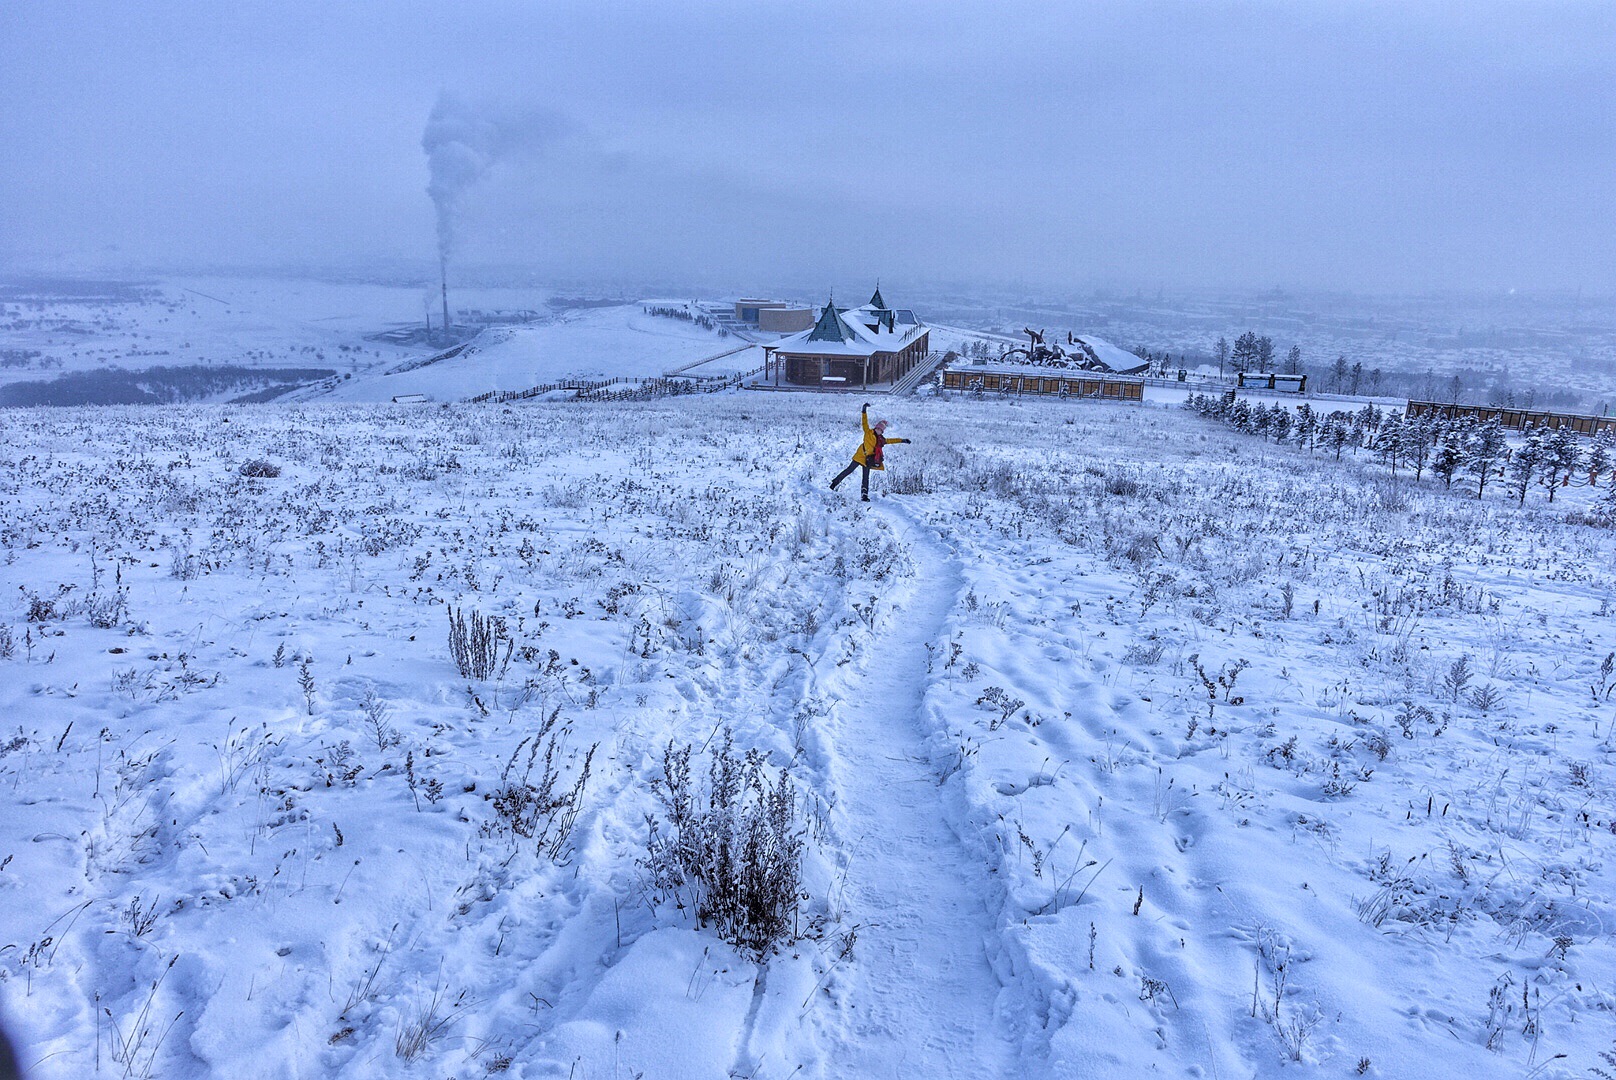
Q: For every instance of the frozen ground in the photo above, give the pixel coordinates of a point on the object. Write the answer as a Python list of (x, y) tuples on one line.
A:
[(590, 344), (221, 320), (1122, 744), (56, 329)]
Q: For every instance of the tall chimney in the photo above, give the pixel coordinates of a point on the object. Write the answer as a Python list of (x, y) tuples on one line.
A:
[(444, 264)]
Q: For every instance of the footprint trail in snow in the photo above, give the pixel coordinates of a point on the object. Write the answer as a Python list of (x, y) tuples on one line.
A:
[(925, 1000)]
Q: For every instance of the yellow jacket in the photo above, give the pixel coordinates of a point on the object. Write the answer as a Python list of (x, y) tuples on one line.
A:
[(869, 451)]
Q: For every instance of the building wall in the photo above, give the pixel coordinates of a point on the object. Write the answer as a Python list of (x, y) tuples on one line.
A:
[(1518, 419), (784, 320), (807, 369), (1118, 387)]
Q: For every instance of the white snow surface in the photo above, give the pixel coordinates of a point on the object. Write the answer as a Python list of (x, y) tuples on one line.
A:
[(269, 323), (1124, 745), (588, 345)]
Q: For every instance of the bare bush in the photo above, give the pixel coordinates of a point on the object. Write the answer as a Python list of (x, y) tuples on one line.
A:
[(480, 645), (533, 799), (732, 852)]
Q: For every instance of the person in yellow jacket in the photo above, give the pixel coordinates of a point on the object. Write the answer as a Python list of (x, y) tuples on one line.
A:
[(868, 455)]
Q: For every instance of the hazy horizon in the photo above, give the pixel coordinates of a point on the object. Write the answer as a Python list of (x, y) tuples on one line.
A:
[(1362, 148)]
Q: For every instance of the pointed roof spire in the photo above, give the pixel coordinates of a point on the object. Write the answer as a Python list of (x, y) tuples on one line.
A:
[(831, 326), (876, 301)]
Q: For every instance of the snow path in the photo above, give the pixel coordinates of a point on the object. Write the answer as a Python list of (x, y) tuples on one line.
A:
[(926, 999)]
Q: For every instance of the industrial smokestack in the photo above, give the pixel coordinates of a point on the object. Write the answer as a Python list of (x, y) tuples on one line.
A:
[(461, 143), (444, 265)]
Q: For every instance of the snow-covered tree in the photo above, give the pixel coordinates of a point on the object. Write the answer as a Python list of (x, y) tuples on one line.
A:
[(1279, 423), (1414, 441), (1240, 415), (1389, 446), (1604, 509), (1337, 433), (1448, 457), (1523, 464), (1307, 425), (1484, 453), (1599, 454), (1561, 457)]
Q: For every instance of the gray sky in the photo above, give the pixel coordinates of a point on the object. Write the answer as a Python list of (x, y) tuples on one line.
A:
[(1363, 146)]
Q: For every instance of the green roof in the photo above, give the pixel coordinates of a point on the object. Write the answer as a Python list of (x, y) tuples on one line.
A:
[(831, 327)]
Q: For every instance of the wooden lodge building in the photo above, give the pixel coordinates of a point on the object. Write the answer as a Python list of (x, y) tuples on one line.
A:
[(850, 347), (1515, 419), (1021, 379)]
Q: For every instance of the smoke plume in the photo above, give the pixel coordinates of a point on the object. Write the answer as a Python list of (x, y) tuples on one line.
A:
[(461, 147)]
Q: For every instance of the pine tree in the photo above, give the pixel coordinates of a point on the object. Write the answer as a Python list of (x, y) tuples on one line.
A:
[(1484, 453), (1336, 433), (1414, 439), (1245, 353), (1523, 465), (1599, 454), (1448, 457), (1605, 507), (1389, 446), (1561, 456), (1279, 423), (1265, 353), (1240, 415), (1293, 360), (1307, 425)]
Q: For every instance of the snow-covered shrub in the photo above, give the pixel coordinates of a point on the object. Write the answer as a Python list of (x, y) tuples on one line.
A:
[(479, 645), (533, 799), (732, 852), (260, 468)]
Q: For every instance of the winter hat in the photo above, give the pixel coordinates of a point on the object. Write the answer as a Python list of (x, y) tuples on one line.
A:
[(879, 425)]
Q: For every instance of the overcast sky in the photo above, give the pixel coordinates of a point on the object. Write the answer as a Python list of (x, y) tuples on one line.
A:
[(1364, 146)]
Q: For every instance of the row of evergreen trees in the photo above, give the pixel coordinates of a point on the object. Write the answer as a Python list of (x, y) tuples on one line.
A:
[(1462, 448)]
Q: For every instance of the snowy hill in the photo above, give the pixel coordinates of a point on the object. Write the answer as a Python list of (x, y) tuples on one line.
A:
[(587, 344), (217, 332), (1115, 744)]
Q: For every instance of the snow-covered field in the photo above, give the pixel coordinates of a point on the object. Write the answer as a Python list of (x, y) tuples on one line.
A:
[(244, 321), (1117, 744), (278, 326), (591, 344)]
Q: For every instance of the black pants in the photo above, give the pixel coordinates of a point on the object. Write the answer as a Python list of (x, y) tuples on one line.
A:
[(845, 473)]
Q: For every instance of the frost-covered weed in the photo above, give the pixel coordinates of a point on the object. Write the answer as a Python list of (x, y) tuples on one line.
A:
[(732, 849), (480, 646), (534, 799)]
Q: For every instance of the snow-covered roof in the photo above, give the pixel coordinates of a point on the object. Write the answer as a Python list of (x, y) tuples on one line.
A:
[(1113, 357), (847, 332), (1042, 371)]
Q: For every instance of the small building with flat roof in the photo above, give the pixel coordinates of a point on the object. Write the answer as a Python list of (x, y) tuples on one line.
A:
[(774, 316)]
